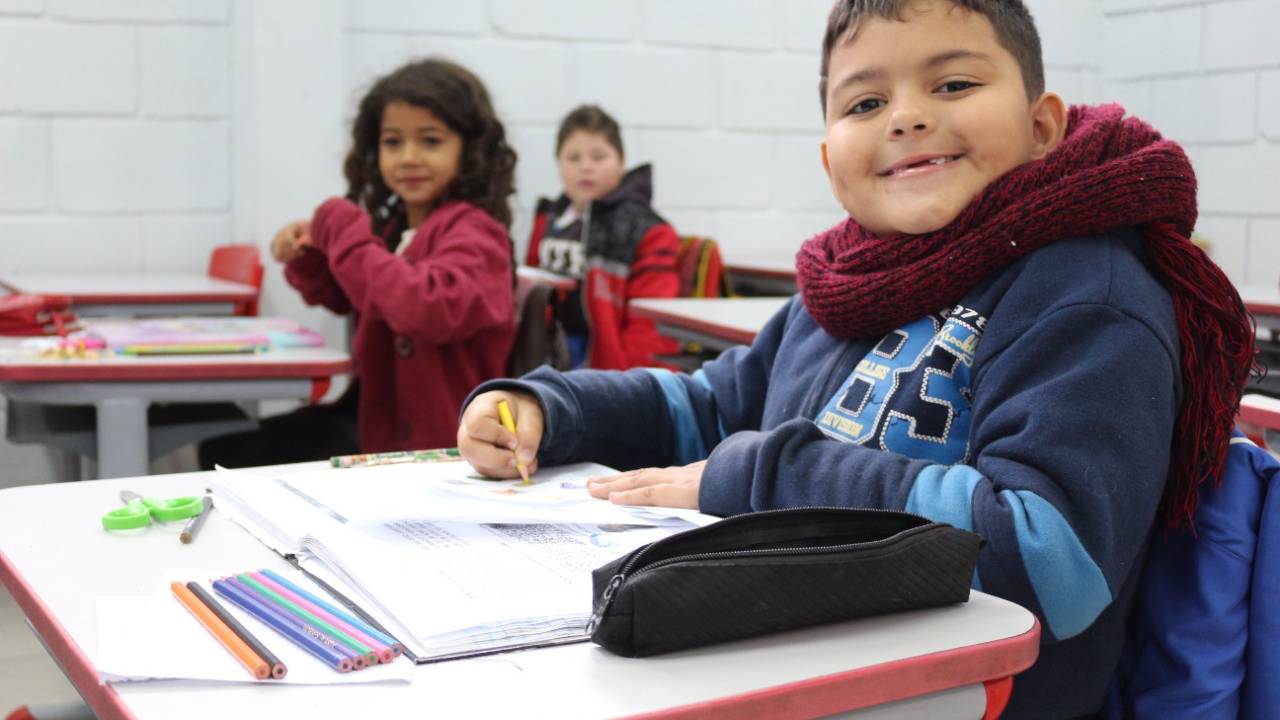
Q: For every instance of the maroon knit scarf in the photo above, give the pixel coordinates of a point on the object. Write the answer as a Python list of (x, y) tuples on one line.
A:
[(1108, 173)]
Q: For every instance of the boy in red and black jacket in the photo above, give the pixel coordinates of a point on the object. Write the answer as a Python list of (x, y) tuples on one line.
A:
[(603, 231)]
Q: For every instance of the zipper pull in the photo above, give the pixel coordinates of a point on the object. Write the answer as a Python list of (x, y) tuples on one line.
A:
[(605, 600)]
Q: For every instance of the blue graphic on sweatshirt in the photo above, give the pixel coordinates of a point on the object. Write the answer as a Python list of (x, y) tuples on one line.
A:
[(911, 393)]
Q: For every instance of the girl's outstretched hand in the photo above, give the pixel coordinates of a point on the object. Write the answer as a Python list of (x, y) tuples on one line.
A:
[(490, 447), (668, 487), (289, 243)]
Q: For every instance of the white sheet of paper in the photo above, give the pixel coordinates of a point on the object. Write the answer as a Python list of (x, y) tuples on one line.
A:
[(153, 637), (451, 492)]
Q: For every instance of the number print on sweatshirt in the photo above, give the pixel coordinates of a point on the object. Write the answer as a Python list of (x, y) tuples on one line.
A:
[(911, 393), (561, 256)]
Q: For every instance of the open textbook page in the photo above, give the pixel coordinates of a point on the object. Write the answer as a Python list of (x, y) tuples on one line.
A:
[(454, 589), (453, 564)]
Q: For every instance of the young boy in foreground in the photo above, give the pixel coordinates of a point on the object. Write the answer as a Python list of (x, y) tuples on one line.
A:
[(1011, 333)]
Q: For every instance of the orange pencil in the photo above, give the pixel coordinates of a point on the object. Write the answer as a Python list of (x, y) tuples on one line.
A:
[(234, 645)]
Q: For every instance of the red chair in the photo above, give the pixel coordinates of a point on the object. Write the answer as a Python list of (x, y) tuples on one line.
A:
[(241, 264)]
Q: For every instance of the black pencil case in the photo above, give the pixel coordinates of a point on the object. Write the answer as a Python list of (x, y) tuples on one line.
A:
[(763, 572)]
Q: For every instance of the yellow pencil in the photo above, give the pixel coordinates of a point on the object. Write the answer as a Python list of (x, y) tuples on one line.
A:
[(504, 415)]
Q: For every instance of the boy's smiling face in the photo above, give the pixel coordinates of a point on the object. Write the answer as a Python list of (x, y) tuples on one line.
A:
[(925, 112)]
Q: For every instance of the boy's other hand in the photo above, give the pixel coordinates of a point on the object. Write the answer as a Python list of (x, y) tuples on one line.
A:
[(490, 447), (667, 487), (289, 243)]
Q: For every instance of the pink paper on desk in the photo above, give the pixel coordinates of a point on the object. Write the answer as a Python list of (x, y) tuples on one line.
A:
[(203, 335)]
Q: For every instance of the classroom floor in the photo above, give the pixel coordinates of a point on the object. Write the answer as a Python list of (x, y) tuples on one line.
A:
[(28, 676)]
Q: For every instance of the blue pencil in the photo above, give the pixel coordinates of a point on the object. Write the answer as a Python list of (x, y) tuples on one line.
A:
[(327, 655), (360, 625), (358, 661)]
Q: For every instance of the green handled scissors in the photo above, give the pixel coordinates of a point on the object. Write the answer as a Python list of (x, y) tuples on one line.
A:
[(138, 511)]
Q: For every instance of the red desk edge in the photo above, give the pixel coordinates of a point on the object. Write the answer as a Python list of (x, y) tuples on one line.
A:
[(746, 337), (1262, 308), (991, 663), (90, 371), (1263, 411), (102, 698), (227, 296)]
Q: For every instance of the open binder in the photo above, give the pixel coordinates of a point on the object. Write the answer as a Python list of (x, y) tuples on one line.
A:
[(449, 563)]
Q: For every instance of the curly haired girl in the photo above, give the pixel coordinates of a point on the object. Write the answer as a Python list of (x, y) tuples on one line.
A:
[(419, 252)]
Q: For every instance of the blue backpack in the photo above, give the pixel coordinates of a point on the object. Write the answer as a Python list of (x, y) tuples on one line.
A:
[(1205, 631)]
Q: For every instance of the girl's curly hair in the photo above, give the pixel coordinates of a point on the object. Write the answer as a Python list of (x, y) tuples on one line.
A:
[(486, 170)]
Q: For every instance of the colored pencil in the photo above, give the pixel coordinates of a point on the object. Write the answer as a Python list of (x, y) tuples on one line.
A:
[(508, 422), (338, 612), (396, 457), (319, 650), (308, 617), (382, 650), (278, 669), (359, 661), (234, 645)]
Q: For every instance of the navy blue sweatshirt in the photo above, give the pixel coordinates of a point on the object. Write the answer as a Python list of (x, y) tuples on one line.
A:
[(1037, 412)]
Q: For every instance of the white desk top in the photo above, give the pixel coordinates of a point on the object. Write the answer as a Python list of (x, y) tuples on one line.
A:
[(54, 557), (734, 319), (1261, 299), (133, 288), (782, 267)]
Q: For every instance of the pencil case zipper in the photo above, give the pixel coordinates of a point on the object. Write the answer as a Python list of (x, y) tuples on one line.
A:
[(630, 569)]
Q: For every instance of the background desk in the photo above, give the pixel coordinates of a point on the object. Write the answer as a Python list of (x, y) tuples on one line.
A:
[(121, 388), (54, 558), (1264, 302), (715, 323), (102, 295), (762, 274)]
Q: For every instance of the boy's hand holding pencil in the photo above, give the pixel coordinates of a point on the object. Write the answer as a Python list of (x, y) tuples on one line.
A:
[(495, 445)]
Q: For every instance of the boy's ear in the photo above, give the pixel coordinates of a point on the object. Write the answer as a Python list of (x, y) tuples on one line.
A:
[(826, 164), (1048, 124)]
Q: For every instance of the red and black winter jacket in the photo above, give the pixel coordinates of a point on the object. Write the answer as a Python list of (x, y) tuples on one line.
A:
[(620, 249)]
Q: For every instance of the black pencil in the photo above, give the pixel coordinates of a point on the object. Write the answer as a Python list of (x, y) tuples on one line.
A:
[(278, 670)]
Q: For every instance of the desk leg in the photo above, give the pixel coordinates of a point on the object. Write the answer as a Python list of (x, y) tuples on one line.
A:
[(998, 692), (122, 437)]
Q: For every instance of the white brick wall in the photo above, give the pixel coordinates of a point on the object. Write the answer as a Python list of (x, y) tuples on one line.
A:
[(564, 19), (137, 134), (185, 72), (750, 24), (59, 68), (24, 172), (113, 126), (112, 166), (150, 110), (1206, 73), (148, 11)]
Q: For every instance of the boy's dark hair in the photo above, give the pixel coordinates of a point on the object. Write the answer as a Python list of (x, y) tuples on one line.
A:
[(486, 169), (1015, 31), (592, 119)]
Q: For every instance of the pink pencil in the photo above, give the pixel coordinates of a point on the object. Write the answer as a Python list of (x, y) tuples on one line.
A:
[(384, 652)]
